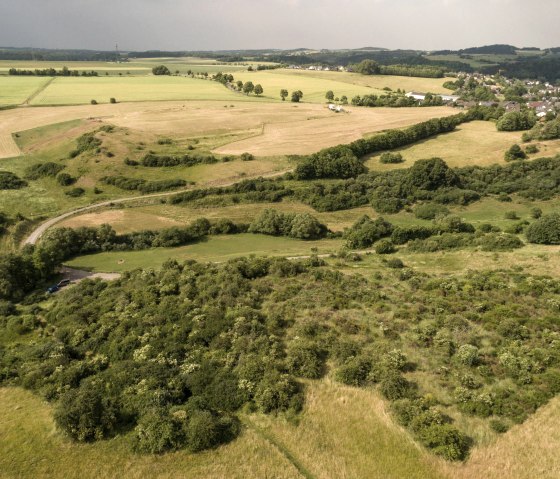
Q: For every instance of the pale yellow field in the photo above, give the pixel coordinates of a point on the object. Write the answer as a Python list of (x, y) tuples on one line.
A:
[(288, 128), (308, 135), (474, 143), (15, 90)]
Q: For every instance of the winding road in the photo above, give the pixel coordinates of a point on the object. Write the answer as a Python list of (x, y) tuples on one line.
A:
[(43, 227)]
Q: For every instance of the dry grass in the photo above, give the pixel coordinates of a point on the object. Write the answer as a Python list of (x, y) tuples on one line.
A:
[(527, 451), (304, 135), (474, 143), (288, 128)]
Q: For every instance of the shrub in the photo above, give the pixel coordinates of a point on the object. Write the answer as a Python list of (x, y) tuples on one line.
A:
[(536, 213), (511, 215), (366, 231), (467, 354), (277, 393), (305, 359), (10, 181), (499, 426), (112, 100), (355, 371), (545, 230), (157, 432), (86, 413), (64, 179), (531, 149), (75, 192), (161, 70), (515, 153), (429, 211), (42, 170), (395, 263), (499, 242), (394, 386), (391, 158), (446, 441), (93, 102), (247, 157), (384, 246)]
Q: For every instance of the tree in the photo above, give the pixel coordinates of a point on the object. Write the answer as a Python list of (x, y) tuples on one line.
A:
[(161, 70), (330, 95), (366, 67), (113, 100), (283, 94), (258, 89), (515, 153), (239, 84), (546, 230), (296, 96), (248, 87)]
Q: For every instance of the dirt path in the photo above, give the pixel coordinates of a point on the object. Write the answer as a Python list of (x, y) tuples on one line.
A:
[(42, 228)]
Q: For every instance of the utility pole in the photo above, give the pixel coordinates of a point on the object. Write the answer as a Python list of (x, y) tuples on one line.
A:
[(118, 55)]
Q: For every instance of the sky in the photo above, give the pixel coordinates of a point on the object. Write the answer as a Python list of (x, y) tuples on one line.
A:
[(283, 24)]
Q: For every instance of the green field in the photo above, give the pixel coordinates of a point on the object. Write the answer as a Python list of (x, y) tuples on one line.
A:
[(216, 248), (15, 90), (65, 91), (132, 81)]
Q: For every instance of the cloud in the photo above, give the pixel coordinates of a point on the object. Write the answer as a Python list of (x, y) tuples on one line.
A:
[(236, 24)]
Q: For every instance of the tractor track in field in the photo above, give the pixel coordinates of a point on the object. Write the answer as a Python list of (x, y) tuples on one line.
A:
[(37, 92)]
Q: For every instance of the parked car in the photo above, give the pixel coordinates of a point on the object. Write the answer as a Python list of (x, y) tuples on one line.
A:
[(53, 289), (64, 282)]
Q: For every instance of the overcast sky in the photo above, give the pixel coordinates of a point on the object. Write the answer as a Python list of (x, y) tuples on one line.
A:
[(259, 24)]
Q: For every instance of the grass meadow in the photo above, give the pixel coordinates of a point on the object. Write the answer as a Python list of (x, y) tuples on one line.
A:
[(15, 90), (216, 248)]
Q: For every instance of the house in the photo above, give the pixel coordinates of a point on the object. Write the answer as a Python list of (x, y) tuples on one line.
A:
[(416, 95), (511, 106)]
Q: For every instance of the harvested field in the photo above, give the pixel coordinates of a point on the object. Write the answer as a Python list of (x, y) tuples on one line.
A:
[(308, 135), (289, 128)]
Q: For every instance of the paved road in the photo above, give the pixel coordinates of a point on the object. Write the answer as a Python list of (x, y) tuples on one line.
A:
[(43, 227)]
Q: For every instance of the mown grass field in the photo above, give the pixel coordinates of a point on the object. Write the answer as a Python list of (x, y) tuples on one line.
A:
[(216, 248), (362, 442), (475, 143), (15, 90), (71, 91)]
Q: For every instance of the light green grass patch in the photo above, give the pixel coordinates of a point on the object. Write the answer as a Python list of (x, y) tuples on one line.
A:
[(15, 90), (216, 248), (64, 91)]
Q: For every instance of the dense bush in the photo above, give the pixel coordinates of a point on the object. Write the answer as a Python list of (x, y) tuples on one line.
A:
[(366, 231), (389, 157), (156, 161), (42, 170), (429, 211), (546, 230), (515, 153), (86, 142), (10, 181), (138, 184), (275, 223), (75, 192), (64, 179), (516, 121)]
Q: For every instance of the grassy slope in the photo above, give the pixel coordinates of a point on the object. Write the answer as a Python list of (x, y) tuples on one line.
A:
[(361, 442)]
